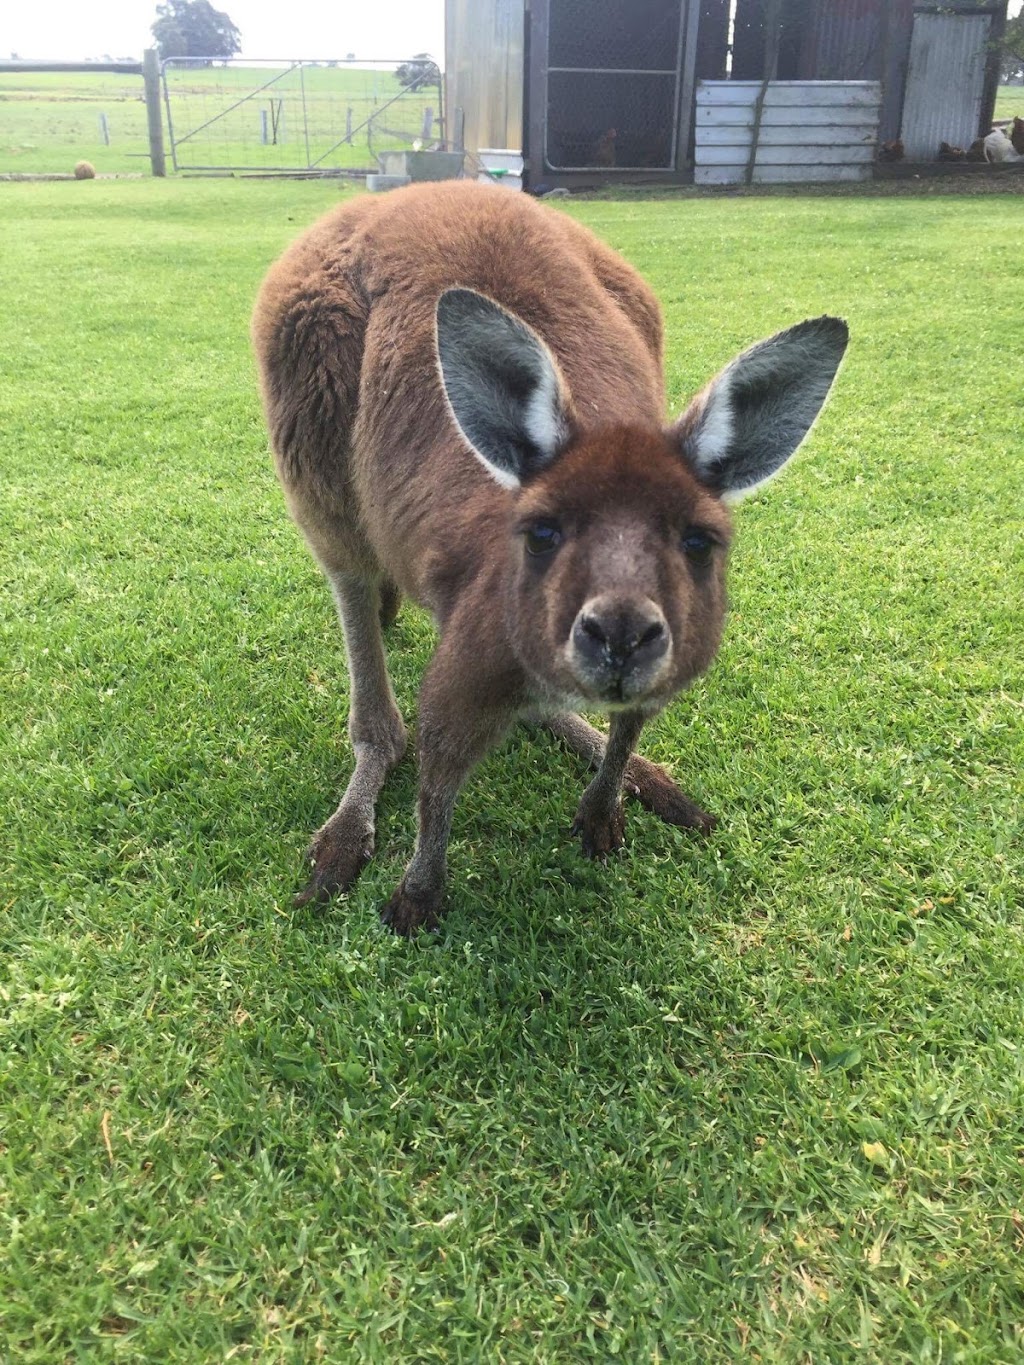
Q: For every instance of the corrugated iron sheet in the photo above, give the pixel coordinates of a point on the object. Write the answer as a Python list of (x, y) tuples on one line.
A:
[(485, 70), (842, 40), (861, 40), (945, 82), (712, 40), (810, 131)]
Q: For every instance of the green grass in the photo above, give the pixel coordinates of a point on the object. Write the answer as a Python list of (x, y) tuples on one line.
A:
[(50, 120), (755, 1098), (1010, 102)]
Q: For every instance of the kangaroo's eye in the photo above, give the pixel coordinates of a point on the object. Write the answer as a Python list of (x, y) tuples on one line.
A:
[(697, 546), (542, 538)]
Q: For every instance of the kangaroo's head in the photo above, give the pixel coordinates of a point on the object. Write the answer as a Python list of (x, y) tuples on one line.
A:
[(618, 538)]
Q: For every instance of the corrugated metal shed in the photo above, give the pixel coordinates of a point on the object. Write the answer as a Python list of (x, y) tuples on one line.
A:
[(945, 82), (485, 70), (856, 40)]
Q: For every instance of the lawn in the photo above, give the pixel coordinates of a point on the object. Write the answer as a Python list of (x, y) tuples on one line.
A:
[(1010, 102), (755, 1098)]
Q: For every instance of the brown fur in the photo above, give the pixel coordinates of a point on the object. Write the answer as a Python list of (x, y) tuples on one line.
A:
[(1017, 135), (391, 502)]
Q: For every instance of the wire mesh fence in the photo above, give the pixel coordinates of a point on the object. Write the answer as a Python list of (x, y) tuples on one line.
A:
[(613, 83), (319, 117)]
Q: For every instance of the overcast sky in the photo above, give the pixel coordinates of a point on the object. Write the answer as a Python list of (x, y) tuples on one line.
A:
[(70, 30)]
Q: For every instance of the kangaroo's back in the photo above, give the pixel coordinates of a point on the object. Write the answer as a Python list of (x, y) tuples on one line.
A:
[(344, 330)]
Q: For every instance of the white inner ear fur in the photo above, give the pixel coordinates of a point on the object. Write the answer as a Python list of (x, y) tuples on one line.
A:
[(717, 428), (542, 417)]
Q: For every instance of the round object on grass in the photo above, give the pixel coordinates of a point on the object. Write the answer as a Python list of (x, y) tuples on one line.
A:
[(85, 170)]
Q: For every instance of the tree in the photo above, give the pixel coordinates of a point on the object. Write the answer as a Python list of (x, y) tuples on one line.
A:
[(1012, 60), (420, 70), (193, 28)]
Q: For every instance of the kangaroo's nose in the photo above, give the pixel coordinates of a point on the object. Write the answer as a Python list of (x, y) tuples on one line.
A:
[(615, 635)]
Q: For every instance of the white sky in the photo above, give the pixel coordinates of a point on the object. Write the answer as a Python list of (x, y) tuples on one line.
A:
[(71, 30)]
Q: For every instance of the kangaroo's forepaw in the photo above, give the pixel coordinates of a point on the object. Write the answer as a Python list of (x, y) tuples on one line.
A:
[(405, 913), (338, 853), (601, 831)]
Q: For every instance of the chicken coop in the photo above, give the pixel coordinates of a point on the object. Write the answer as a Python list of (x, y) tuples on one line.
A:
[(599, 91), (590, 90)]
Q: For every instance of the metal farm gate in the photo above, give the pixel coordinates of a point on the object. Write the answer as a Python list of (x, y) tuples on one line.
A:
[(297, 117)]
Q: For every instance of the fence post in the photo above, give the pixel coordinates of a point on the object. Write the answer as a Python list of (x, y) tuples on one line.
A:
[(154, 115)]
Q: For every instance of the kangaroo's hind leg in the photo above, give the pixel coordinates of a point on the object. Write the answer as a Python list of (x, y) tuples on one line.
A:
[(343, 846)]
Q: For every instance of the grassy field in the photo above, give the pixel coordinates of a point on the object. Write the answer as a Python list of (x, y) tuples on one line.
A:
[(1010, 102), (758, 1098), (48, 121)]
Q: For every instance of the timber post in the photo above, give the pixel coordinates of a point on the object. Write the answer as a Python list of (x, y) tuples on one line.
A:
[(154, 114)]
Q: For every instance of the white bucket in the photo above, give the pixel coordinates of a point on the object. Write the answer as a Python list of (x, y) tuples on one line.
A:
[(502, 159)]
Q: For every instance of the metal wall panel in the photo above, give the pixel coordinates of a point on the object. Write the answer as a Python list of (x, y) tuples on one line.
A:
[(854, 40), (485, 66), (712, 40), (809, 131), (748, 39), (945, 82), (848, 40)]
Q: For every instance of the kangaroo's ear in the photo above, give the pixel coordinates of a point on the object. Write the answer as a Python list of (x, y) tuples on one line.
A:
[(502, 386), (751, 419)]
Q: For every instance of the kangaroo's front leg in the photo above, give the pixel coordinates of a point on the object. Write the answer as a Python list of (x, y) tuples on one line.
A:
[(645, 780), (455, 731), (600, 821)]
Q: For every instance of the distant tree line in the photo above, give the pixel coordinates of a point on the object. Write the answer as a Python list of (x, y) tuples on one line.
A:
[(193, 28), (420, 70), (1013, 49)]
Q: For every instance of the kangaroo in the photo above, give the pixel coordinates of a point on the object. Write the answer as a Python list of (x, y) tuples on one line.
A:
[(464, 394)]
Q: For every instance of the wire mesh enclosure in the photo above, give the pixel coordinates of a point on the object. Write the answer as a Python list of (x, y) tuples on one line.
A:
[(613, 73), (297, 116)]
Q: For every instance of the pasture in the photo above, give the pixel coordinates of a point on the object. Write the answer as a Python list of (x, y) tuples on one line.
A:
[(50, 120), (756, 1097)]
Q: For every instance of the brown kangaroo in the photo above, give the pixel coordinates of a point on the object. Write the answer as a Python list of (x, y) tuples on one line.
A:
[(465, 400)]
